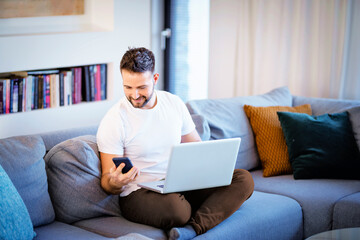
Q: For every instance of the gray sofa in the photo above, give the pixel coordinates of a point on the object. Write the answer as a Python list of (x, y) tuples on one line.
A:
[(57, 175)]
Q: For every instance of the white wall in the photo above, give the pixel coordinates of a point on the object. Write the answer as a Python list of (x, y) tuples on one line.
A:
[(132, 27)]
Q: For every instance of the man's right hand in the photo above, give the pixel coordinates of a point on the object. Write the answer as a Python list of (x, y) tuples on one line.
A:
[(112, 178), (117, 178)]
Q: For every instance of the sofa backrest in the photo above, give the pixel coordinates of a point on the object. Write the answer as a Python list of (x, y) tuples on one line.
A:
[(320, 106), (226, 119)]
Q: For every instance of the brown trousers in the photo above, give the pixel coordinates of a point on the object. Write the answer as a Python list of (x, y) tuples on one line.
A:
[(202, 209)]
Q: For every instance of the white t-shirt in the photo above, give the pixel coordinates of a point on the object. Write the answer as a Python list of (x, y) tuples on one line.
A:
[(145, 135)]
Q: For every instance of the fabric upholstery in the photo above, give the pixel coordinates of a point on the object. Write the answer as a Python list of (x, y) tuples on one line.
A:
[(321, 146), (61, 231), (227, 119), (347, 212), (15, 222), (317, 197), (22, 159), (109, 227), (53, 138), (202, 126), (73, 169), (262, 216), (269, 138), (320, 106)]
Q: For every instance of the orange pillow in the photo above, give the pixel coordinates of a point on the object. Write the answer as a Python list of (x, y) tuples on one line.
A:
[(270, 140)]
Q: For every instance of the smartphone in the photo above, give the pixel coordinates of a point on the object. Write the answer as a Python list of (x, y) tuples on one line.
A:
[(128, 165)]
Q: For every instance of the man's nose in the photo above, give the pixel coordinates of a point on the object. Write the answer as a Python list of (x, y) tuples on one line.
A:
[(136, 94)]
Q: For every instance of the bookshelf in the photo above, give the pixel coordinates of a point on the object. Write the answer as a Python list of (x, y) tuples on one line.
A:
[(50, 88), (73, 47)]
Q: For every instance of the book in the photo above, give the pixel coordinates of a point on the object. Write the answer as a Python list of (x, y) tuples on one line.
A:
[(14, 96), (97, 83), (103, 70), (40, 99), (35, 92), (20, 94), (2, 83), (92, 83), (61, 88), (29, 93), (86, 84), (8, 96), (47, 102)]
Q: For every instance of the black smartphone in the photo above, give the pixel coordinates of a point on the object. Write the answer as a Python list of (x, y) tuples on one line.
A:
[(128, 165)]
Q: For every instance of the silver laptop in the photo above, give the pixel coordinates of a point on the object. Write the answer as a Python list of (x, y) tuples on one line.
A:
[(198, 165)]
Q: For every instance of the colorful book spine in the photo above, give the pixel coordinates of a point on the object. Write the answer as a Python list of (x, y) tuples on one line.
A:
[(98, 83), (8, 96), (103, 81), (15, 95), (20, 95), (47, 91), (86, 84), (61, 89), (2, 83)]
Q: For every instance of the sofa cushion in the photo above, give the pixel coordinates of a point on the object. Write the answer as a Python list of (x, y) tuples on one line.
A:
[(22, 159), (15, 222), (321, 146), (262, 216), (227, 119), (347, 212), (109, 227), (317, 197), (74, 174), (270, 139), (60, 231)]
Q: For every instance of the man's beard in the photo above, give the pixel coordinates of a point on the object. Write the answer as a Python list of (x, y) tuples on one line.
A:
[(146, 100)]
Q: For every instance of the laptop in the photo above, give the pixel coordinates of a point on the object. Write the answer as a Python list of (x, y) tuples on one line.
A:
[(198, 165)]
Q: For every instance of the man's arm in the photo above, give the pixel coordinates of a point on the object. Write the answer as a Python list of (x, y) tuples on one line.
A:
[(191, 137), (112, 179)]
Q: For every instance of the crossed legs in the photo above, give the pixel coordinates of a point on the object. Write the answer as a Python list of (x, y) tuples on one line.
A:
[(202, 209)]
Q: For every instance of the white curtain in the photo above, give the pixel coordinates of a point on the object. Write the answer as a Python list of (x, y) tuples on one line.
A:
[(304, 44)]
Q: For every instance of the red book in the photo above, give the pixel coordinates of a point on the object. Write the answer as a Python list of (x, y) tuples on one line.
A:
[(98, 83), (47, 91), (7, 102)]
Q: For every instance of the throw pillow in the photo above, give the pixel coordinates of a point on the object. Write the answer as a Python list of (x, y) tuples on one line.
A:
[(321, 146), (74, 174), (15, 222), (22, 159), (354, 115), (269, 138)]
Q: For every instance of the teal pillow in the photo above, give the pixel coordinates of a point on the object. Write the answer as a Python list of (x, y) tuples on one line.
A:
[(15, 222), (321, 146)]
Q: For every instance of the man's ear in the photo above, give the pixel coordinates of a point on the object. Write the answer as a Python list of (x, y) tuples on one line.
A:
[(156, 77)]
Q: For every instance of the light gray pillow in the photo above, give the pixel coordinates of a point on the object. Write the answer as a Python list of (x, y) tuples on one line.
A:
[(74, 174), (202, 126), (226, 119), (22, 159)]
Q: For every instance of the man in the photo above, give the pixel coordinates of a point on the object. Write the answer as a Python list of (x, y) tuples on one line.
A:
[(143, 126)]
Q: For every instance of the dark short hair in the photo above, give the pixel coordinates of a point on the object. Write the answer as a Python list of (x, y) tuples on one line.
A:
[(138, 60)]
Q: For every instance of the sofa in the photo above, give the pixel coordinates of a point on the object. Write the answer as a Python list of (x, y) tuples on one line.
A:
[(50, 182)]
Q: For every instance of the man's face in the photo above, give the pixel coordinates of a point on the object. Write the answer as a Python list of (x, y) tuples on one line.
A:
[(139, 88)]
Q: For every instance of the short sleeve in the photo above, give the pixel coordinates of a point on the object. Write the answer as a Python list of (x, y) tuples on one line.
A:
[(188, 124), (110, 134)]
